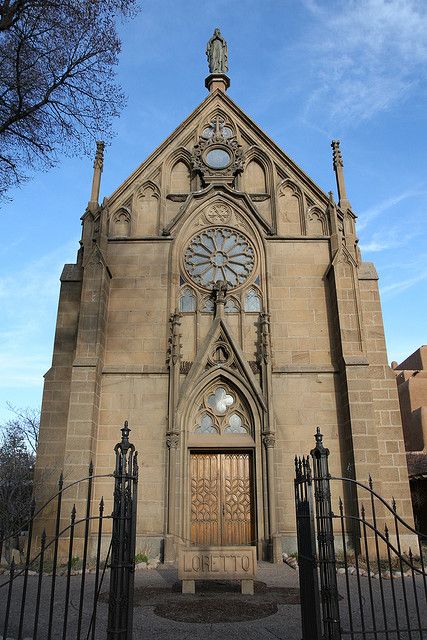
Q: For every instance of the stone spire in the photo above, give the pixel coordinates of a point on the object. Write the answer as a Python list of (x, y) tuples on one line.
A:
[(343, 202), (217, 55), (97, 170)]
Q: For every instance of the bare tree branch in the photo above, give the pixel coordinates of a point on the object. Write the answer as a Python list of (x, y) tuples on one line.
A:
[(29, 424), (57, 82), (18, 444)]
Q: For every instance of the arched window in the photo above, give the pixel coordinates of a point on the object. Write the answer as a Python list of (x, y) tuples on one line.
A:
[(316, 223), (252, 300), (120, 224), (187, 300), (206, 424), (221, 411), (231, 306), (208, 305), (255, 178), (180, 178)]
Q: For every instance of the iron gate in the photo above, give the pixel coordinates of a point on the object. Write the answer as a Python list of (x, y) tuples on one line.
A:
[(358, 576), (51, 593)]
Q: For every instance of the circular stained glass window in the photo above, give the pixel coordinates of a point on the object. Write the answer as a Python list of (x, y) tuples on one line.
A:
[(218, 158), (217, 255)]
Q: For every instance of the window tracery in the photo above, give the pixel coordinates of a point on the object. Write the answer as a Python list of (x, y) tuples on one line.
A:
[(231, 305), (208, 305), (120, 223), (250, 300), (219, 254), (220, 412), (253, 301), (187, 300)]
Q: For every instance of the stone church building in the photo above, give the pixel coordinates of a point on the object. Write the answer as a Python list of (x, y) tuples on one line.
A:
[(219, 302)]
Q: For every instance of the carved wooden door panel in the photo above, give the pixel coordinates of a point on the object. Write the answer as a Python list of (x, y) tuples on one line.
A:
[(205, 499), (237, 511), (221, 499)]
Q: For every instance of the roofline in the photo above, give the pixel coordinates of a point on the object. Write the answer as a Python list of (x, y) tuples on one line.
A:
[(249, 121)]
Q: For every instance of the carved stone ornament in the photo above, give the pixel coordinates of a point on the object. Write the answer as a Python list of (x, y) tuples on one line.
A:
[(218, 213), (185, 366), (264, 338), (269, 440), (174, 340), (172, 439), (254, 366), (336, 154), (217, 157), (99, 156), (220, 291), (221, 354)]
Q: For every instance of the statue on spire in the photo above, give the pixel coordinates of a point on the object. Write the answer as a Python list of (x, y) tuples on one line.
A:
[(217, 53)]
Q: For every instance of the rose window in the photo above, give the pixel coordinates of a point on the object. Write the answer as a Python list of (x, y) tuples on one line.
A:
[(217, 255)]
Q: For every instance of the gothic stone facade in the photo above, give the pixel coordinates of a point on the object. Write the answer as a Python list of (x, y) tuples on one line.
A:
[(219, 302)]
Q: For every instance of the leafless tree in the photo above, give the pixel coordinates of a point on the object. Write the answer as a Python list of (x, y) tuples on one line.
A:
[(57, 80), (27, 420), (18, 442)]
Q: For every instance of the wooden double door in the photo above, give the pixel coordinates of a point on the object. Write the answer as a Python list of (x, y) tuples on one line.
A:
[(222, 498)]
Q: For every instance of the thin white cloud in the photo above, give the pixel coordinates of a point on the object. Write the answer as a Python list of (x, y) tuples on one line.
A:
[(390, 237), (368, 55), (377, 245), (393, 289), (365, 217)]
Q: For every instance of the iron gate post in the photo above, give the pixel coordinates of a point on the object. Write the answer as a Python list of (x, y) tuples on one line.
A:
[(120, 607), (307, 561), (325, 539)]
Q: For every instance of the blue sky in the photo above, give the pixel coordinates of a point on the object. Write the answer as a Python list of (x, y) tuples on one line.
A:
[(306, 71)]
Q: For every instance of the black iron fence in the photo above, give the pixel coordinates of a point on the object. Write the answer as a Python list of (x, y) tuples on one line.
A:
[(362, 566), (52, 593)]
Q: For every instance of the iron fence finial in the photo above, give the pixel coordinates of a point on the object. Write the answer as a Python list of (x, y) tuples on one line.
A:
[(125, 433), (319, 451)]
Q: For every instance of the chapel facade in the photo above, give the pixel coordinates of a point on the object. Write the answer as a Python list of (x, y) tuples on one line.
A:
[(220, 303)]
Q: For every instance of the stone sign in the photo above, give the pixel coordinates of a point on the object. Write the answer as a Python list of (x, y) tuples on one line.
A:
[(217, 563)]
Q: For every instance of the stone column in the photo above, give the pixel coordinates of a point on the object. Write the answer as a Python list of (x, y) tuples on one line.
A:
[(268, 436), (172, 435)]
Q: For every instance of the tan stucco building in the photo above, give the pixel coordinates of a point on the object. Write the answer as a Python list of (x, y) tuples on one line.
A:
[(219, 302), (411, 377)]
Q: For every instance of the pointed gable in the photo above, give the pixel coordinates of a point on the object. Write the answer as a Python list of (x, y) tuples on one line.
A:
[(220, 354), (266, 168)]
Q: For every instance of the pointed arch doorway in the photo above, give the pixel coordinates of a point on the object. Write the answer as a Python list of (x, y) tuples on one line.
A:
[(221, 466), (222, 498)]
